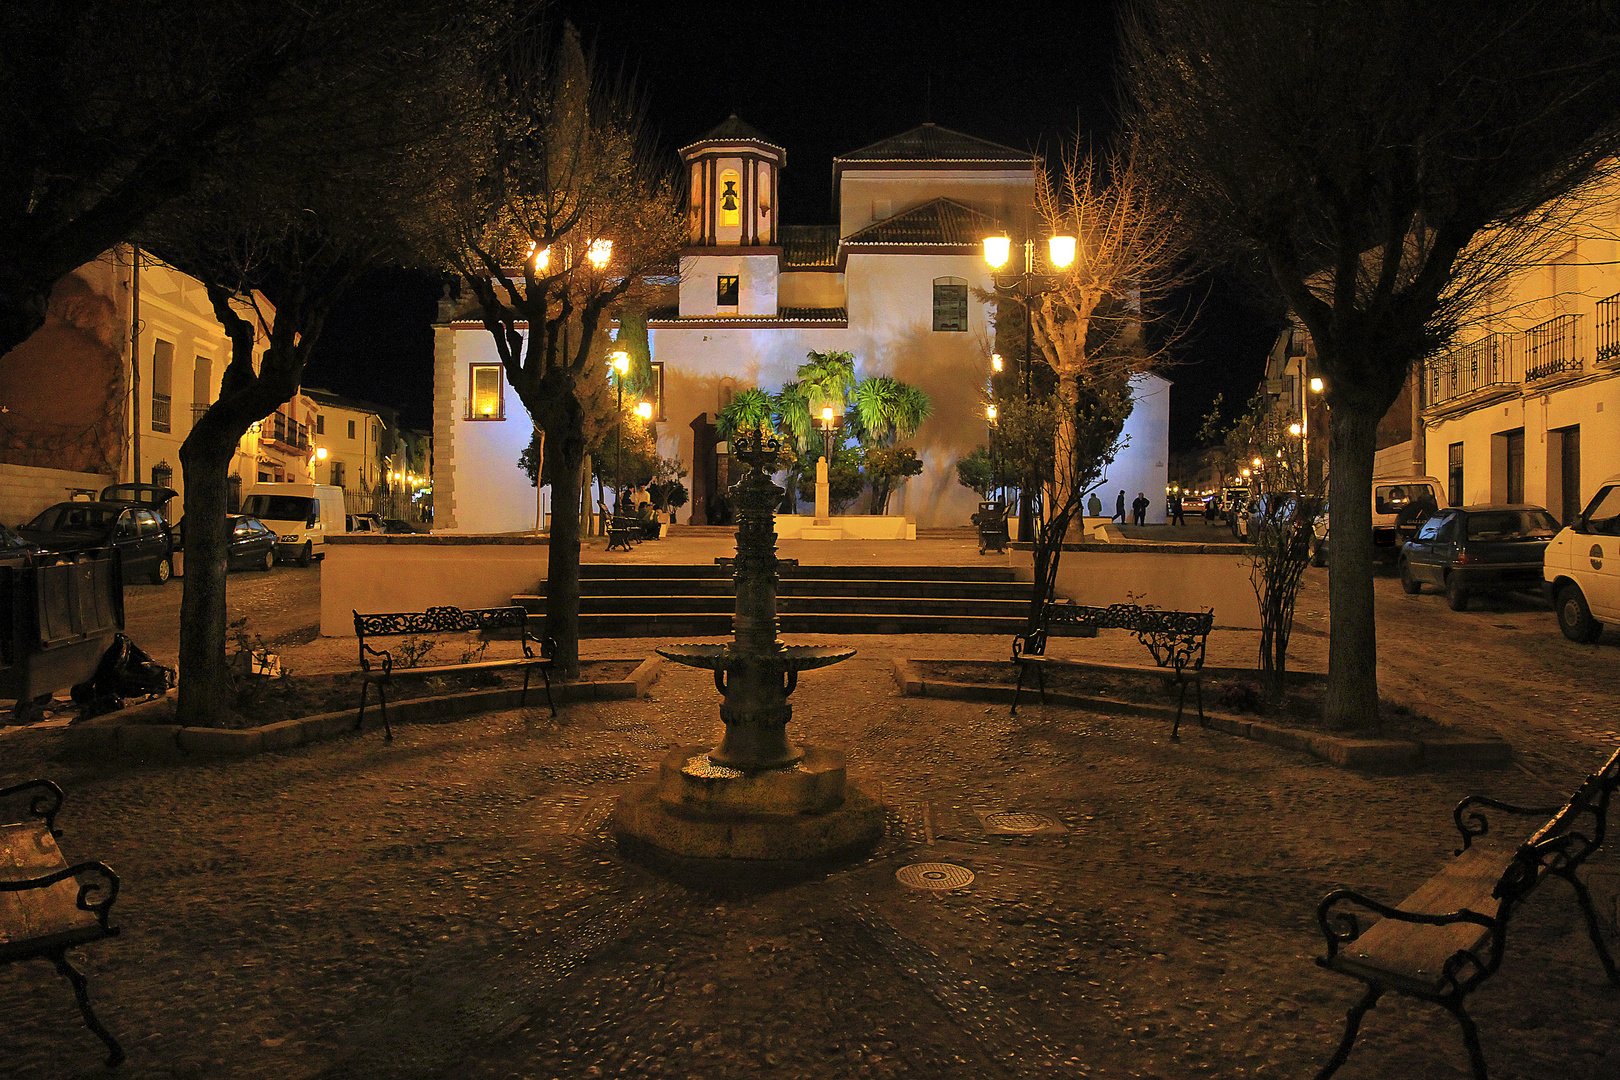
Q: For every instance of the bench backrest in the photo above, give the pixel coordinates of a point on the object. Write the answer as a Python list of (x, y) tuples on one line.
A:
[(1568, 838), (440, 620), (1175, 638)]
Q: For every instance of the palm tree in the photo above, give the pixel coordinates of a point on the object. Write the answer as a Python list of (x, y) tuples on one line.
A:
[(888, 410), (748, 410)]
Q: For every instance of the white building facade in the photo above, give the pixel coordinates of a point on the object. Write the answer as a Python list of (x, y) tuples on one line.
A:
[(897, 282), (1528, 408)]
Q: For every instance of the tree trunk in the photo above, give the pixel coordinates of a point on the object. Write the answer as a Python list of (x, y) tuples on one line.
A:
[(1064, 498), (1352, 687), (207, 691), (564, 447)]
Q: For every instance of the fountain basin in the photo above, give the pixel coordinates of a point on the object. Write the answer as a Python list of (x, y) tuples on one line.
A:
[(804, 814), (723, 656)]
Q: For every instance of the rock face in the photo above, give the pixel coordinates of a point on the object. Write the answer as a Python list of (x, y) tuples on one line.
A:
[(756, 797)]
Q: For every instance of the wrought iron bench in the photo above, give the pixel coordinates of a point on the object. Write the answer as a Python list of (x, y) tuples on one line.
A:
[(1443, 941), (48, 907), (623, 532), (377, 665), (1175, 638)]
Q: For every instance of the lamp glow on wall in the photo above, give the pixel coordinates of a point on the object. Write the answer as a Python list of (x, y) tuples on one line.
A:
[(644, 410)]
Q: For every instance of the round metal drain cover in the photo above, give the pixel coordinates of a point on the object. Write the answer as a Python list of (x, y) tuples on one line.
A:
[(1019, 821), (934, 875)]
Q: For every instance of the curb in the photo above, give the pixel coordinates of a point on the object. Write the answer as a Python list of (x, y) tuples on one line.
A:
[(122, 735), (1390, 757)]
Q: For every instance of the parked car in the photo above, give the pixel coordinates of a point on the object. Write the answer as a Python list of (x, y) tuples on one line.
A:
[(137, 535), (249, 543), (1464, 548), (400, 525), (15, 551), (153, 496), (1581, 569), (366, 523)]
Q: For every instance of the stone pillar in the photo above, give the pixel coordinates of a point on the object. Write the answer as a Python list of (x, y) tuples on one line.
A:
[(823, 494)]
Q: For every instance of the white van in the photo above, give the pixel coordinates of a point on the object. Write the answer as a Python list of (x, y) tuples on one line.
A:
[(301, 516), (1581, 567), (1396, 500)]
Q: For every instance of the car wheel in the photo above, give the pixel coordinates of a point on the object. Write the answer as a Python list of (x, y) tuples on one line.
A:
[(1456, 593), (269, 559), (304, 553), (1574, 617), (163, 571), (1409, 584)]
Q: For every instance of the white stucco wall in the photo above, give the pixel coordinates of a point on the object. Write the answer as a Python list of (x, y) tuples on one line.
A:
[(1143, 465), (374, 574), (756, 285), (26, 490), (477, 485)]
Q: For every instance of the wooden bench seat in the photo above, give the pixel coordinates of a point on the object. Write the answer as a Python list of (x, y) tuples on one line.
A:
[(48, 907), (377, 666), (1442, 942)]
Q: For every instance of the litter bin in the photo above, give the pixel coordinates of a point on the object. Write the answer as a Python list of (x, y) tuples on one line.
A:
[(57, 622)]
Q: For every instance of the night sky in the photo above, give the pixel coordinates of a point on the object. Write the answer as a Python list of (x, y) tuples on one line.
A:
[(821, 80)]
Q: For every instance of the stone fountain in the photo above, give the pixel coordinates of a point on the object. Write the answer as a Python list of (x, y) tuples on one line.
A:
[(755, 797)]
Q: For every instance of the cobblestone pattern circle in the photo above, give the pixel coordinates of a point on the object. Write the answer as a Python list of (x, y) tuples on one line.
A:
[(934, 875), (1019, 821)]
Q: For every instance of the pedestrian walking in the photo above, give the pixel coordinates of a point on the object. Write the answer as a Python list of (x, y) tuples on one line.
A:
[(1119, 507), (1139, 508)]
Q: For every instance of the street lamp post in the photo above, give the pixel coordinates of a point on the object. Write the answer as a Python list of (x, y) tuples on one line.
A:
[(621, 364), (830, 424), (1026, 287), (990, 414)]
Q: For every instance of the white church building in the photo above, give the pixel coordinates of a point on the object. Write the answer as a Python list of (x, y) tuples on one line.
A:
[(896, 281)]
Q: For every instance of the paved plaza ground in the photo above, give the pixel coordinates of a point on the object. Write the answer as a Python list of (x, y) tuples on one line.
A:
[(451, 904)]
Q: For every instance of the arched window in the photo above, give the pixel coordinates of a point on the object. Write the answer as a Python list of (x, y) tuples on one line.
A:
[(950, 304), (730, 196)]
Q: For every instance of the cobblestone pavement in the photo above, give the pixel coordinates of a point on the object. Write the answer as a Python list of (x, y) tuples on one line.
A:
[(450, 905)]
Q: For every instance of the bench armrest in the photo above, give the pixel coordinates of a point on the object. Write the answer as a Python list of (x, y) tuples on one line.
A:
[(1340, 927), (95, 896), (45, 801), (1471, 823), (1030, 645), (387, 658)]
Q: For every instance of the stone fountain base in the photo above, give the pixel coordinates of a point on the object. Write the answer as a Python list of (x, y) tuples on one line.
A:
[(803, 814)]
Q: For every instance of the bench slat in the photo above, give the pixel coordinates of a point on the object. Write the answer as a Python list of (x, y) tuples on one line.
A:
[(28, 850), (481, 665)]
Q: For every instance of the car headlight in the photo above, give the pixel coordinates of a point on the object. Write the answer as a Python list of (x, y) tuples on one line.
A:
[(290, 538)]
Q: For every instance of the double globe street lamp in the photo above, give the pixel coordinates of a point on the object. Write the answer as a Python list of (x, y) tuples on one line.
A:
[(1026, 287)]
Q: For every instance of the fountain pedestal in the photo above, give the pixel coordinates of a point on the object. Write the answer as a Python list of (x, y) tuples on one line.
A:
[(756, 797)]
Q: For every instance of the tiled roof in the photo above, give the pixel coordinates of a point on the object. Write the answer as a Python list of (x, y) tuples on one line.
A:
[(787, 314), (939, 221), (733, 128), (930, 142), (809, 245)]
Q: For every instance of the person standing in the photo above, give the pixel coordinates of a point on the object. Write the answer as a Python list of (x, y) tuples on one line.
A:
[(1139, 508), (1119, 507), (1175, 509), (1094, 506)]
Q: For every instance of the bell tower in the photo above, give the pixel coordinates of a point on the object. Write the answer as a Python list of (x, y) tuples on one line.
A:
[(732, 173)]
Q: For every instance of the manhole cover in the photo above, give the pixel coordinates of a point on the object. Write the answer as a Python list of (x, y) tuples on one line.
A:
[(1017, 821), (934, 875)]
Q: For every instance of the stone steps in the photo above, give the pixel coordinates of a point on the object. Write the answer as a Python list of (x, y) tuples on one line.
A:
[(648, 600)]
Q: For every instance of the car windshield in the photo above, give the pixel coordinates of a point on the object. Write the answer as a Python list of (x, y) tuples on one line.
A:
[(279, 507), (68, 516), (1393, 498), (1511, 525)]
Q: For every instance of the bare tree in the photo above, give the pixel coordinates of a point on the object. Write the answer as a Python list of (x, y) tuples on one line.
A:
[(1386, 162), (574, 210), (1088, 324), (334, 202)]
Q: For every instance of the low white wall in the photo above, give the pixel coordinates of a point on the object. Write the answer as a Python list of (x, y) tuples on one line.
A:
[(411, 573), (25, 490), (1177, 577), (850, 527)]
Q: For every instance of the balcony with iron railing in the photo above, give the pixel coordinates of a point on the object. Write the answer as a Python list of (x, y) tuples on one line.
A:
[(1501, 363), (1606, 325), (1495, 361), (1552, 348)]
